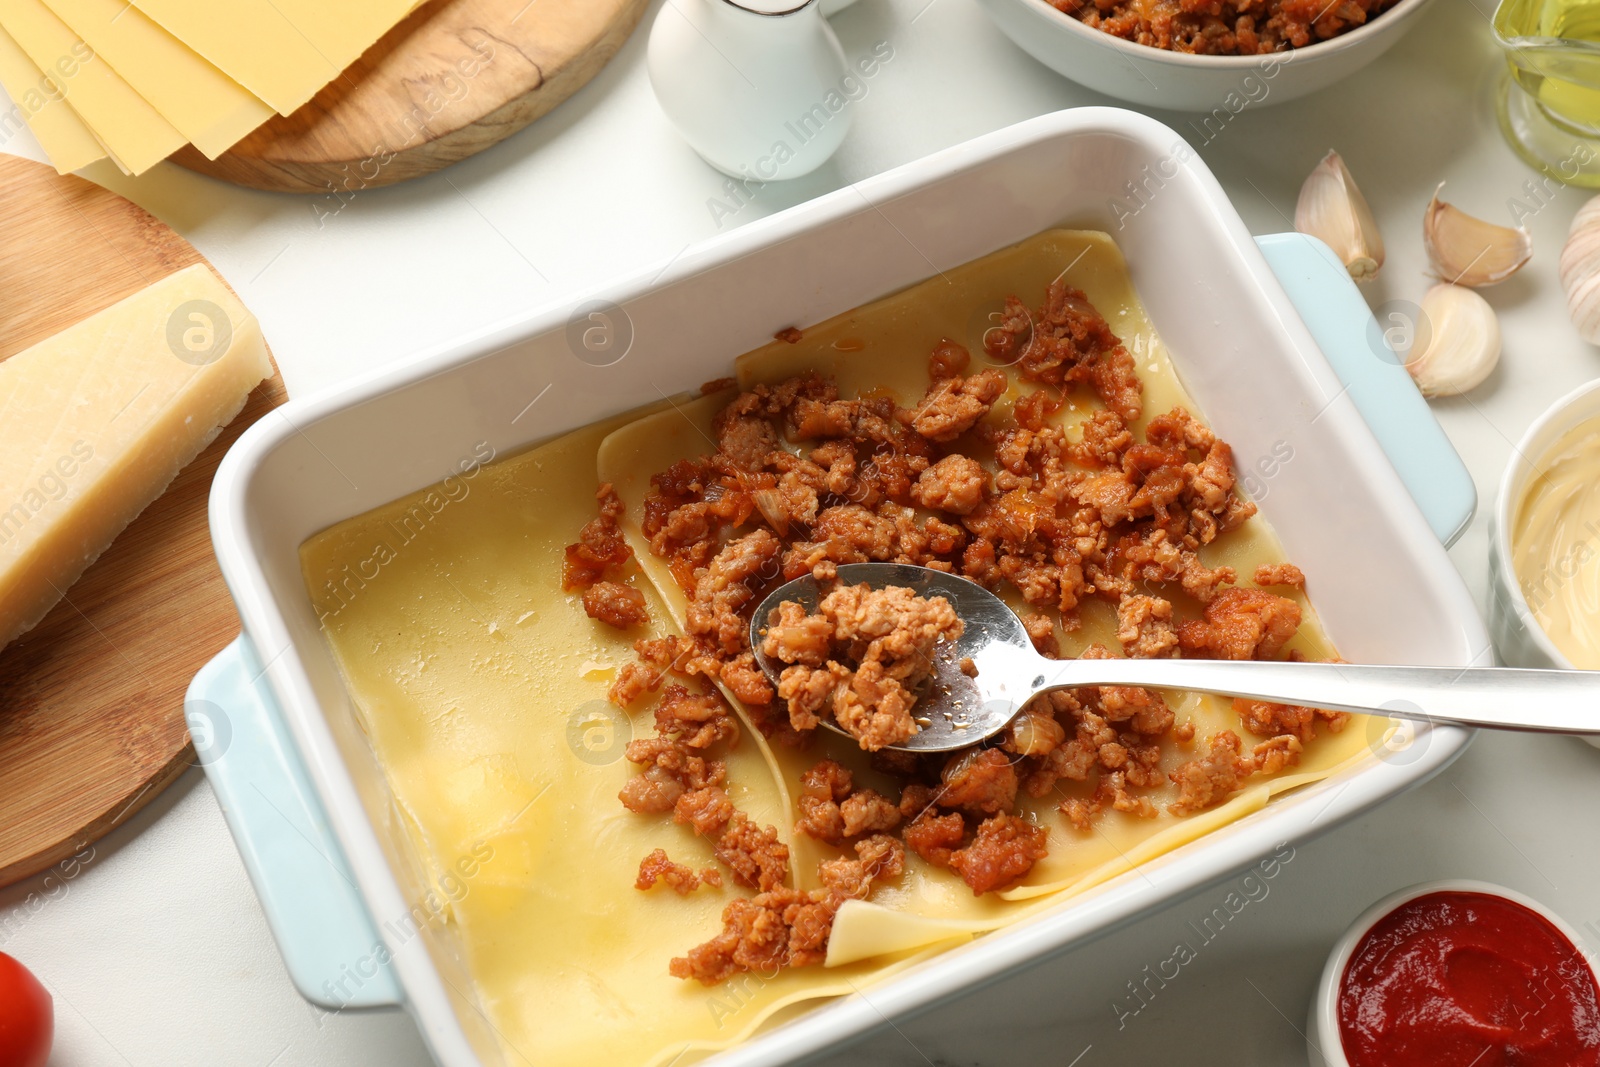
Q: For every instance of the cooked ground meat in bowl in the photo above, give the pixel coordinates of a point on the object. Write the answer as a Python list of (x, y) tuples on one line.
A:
[(1224, 27), (1215, 57)]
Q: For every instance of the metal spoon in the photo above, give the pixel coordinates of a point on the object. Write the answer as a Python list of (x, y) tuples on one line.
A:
[(956, 711)]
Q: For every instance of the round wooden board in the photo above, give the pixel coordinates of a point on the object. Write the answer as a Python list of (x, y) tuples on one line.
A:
[(91, 699), (454, 78)]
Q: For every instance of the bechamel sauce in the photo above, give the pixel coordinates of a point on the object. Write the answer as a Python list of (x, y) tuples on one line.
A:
[(1555, 544)]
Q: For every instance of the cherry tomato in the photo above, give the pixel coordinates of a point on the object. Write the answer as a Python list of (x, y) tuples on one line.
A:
[(27, 1017)]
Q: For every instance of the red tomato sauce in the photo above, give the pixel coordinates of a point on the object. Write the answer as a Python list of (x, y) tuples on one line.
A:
[(1468, 978)]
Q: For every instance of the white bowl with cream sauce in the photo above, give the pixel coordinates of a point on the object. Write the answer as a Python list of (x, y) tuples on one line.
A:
[(1544, 559)]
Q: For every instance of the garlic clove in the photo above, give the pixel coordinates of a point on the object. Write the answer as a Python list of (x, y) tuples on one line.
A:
[(1332, 208), (1463, 343), (1580, 271), (1465, 250)]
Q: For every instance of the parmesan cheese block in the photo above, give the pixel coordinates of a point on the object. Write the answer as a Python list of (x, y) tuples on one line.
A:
[(96, 421)]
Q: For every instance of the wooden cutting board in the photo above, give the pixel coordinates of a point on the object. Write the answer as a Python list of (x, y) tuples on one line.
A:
[(91, 699), (454, 78)]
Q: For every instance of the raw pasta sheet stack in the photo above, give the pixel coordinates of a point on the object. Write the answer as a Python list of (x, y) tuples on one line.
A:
[(136, 81)]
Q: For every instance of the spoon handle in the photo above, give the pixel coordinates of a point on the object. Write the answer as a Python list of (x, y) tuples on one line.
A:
[(1501, 697)]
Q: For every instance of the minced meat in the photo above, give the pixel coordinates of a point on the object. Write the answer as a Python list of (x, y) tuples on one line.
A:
[(615, 604), (789, 927), (600, 545), (860, 657), (802, 481), (1224, 27), (1003, 850), (832, 808), (1242, 624), (656, 868)]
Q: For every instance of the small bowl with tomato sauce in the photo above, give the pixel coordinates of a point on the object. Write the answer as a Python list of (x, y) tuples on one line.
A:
[(1457, 972)]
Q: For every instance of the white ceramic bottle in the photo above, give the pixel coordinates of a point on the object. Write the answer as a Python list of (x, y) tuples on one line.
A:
[(759, 88)]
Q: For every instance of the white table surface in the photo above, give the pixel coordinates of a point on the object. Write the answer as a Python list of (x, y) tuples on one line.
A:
[(157, 952)]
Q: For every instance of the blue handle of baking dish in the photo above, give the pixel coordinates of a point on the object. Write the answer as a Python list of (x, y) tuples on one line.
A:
[(323, 928), (1343, 326), (324, 931)]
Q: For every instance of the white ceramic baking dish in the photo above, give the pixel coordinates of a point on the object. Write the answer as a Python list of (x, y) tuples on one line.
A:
[(299, 784)]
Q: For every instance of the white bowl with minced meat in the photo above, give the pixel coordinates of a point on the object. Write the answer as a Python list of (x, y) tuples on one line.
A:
[(1381, 580), (1250, 67)]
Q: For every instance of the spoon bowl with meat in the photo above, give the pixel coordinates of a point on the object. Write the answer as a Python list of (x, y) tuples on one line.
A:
[(904, 657)]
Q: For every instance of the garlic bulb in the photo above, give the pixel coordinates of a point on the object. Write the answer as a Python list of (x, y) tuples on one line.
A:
[(1333, 209), (1580, 271), (1463, 342), (1468, 251)]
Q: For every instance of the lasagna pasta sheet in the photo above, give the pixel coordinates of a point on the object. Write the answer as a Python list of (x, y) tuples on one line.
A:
[(482, 686)]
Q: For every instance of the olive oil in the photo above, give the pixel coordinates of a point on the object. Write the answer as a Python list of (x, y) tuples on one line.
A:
[(1555, 55), (1550, 109)]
